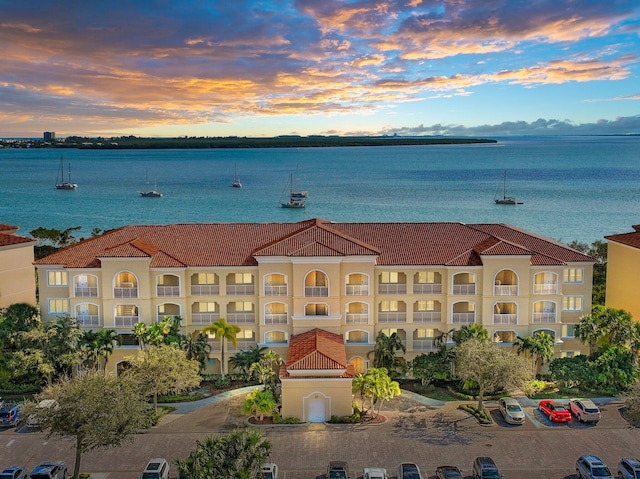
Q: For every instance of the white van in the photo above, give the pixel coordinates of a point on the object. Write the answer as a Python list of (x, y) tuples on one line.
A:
[(156, 469)]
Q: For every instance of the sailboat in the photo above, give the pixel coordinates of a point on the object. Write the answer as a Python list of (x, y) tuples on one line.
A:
[(297, 199), (151, 193), (60, 183), (506, 200), (235, 182)]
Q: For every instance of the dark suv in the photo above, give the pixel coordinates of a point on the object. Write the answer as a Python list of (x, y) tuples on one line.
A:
[(485, 468), (337, 470), (591, 467)]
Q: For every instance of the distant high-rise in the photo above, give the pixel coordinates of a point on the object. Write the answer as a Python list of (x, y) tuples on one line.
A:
[(49, 135)]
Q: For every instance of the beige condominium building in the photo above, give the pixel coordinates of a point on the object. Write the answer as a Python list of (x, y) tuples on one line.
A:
[(353, 280), (17, 277), (623, 269)]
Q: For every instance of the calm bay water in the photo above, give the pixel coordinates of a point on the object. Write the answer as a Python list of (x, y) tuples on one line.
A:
[(573, 188)]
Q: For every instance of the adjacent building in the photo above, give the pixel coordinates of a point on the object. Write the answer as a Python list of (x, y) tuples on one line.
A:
[(353, 280), (17, 277), (623, 265)]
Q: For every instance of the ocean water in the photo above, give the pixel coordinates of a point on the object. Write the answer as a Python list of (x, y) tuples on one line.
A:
[(573, 188)]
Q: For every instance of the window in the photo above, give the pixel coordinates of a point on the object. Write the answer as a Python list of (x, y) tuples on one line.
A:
[(243, 278), (427, 305), (389, 277), (59, 306), (426, 277), (57, 278), (573, 275), (424, 333), (275, 337), (243, 306), (389, 305), (206, 307), (572, 303), (316, 309), (245, 334), (568, 330)]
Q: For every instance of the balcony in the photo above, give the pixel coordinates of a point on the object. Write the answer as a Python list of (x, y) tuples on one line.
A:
[(423, 345), (240, 290), (427, 316), (280, 290), (241, 346), (126, 321), (85, 292), (245, 317), (464, 288), (88, 320), (392, 288), (276, 318), (167, 291), (204, 318), (463, 318), (543, 318), (505, 318), (126, 292), (505, 290), (357, 290), (392, 317), (316, 291), (431, 288), (357, 318), (205, 289), (545, 289)]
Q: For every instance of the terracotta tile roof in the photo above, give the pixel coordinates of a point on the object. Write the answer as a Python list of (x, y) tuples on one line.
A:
[(11, 239), (239, 244), (628, 239), (10, 229), (316, 349)]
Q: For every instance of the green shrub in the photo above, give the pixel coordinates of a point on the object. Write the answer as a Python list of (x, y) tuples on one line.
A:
[(182, 397), (278, 419), (355, 418), (483, 416)]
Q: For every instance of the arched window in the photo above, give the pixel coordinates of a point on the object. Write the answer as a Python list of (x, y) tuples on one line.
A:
[(316, 284), (85, 286), (275, 313), (357, 312), (125, 285), (505, 283), (168, 285), (463, 312), (275, 284), (464, 283), (357, 284), (87, 314)]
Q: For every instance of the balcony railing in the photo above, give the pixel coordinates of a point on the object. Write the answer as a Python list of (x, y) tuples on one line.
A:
[(245, 317), (430, 288), (505, 290), (88, 320), (463, 318), (125, 292), (357, 290), (82, 292), (204, 318), (205, 289), (357, 318), (392, 317), (544, 317), (279, 290), (240, 290), (545, 288), (427, 316), (125, 321), (276, 318), (505, 318), (464, 288), (423, 344), (316, 291), (394, 288), (241, 346), (168, 290)]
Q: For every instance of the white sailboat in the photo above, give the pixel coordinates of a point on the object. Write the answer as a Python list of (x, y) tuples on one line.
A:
[(297, 199), (506, 200), (151, 193), (235, 182), (60, 183)]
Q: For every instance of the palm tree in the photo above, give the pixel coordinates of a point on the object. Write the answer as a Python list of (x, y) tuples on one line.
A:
[(384, 354), (259, 402), (470, 331), (540, 346), (196, 346), (97, 345), (243, 360), (589, 329), (223, 331)]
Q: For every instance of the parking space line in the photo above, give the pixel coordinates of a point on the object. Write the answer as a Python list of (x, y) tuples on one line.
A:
[(534, 421)]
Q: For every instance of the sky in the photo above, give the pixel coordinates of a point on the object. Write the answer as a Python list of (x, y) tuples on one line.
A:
[(167, 68)]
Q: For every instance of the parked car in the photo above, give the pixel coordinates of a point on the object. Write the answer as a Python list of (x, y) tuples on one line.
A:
[(374, 473), (511, 410), (32, 421), (10, 417), (448, 472), (628, 468), (337, 470), (591, 467), (408, 470), (270, 471), (584, 410), (157, 468), (50, 470), (14, 472), (485, 468), (554, 410)]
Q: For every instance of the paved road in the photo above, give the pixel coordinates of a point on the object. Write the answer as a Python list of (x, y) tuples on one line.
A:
[(423, 432)]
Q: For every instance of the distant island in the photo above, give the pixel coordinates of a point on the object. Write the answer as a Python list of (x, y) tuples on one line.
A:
[(284, 141)]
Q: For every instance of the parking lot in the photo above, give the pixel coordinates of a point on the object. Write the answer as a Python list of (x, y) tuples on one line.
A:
[(414, 432)]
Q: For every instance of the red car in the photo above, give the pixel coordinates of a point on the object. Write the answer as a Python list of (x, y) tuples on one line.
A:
[(554, 410)]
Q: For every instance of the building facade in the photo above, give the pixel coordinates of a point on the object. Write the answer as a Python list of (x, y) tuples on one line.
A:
[(623, 265), (275, 280), (17, 277)]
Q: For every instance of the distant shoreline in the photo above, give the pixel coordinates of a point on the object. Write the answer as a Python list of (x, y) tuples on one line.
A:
[(132, 142)]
